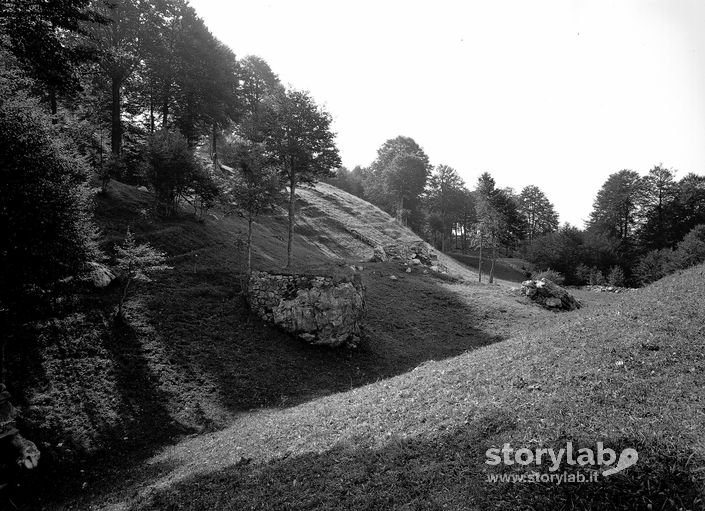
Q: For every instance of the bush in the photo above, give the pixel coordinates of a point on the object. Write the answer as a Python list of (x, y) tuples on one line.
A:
[(590, 275), (170, 168), (552, 275), (616, 276), (690, 251), (45, 208)]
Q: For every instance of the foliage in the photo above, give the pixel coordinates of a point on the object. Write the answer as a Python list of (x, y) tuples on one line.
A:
[(652, 266), (45, 207), (170, 168), (253, 187), (391, 193), (658, 194), (299, 142), (538, 213), (48, 40), (590, 275), (690, 251), (616, 276), (616, 207), (445, 196), (350, 181), (561, 250), (136, 263), (549, 274)]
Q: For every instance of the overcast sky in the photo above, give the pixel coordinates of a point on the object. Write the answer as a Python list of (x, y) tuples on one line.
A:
[(557, 94)]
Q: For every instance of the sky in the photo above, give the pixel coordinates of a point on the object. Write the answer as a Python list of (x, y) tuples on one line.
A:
[(558, 94)]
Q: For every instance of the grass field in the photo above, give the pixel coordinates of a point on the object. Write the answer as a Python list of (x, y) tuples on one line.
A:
[(195, 404)]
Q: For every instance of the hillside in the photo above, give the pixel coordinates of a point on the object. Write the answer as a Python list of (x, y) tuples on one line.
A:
[(611, 373), (196, 404)]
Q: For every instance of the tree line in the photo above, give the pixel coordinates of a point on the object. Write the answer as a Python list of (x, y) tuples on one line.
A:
[(632, 237), (436, 203), (143, 93)]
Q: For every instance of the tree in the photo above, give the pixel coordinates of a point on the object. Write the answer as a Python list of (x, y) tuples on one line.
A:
[(45, 211), (539, 215), (489, 219), (686, 209), (404, 178), (445, 196), (47, 39), (135, 263), (118, 47), (659, 192), (616, 207), (376, 181), (300, 144), (253, 187), (257, 83), (562, 250), (170, 168)]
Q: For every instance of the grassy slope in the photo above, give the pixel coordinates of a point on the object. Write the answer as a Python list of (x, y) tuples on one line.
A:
[(404, 421), (628, 373), (191, 358)]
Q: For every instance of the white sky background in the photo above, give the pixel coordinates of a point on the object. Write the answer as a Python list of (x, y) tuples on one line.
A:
[(559, 94)]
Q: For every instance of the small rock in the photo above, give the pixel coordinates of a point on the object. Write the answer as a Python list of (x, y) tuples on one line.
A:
[(393, 277), (408, 270)]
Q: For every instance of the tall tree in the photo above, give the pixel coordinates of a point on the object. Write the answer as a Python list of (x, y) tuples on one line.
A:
[(252, 186), (118, 47), (488, 221), (301, 144), (376, 181), (404, 179), (47, 38), (539, 214), (659, 192), (444, 196), (616, 207)]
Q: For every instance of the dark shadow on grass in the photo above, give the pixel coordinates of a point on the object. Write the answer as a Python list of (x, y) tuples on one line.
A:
[(447, 471), (208, 326)]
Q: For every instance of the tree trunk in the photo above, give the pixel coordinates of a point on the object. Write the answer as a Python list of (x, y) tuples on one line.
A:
[(151, 113), (443, 234), (249, 246), (292, 211), (494, 257), (165, 111), (53, 105), (116, 126), (479, 264), (400, 209), (215, 146)]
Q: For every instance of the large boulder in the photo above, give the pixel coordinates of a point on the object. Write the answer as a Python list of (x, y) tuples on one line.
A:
[(321, 310), (549, 295), (99, 275)]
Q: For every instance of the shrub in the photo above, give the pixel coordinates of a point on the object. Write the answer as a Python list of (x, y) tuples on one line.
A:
[(169, 167), (549, 274), (652, 266), (135, 263), (690, 251), (616, 276), (590, 275), (45, 209)]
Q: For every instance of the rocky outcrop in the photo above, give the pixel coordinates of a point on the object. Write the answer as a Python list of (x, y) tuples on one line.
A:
[(99, 275), (321, 310), (549, 295), (606, 289)]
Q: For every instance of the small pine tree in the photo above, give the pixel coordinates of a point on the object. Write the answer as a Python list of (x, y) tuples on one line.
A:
[(616, 276), (135, 263)]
